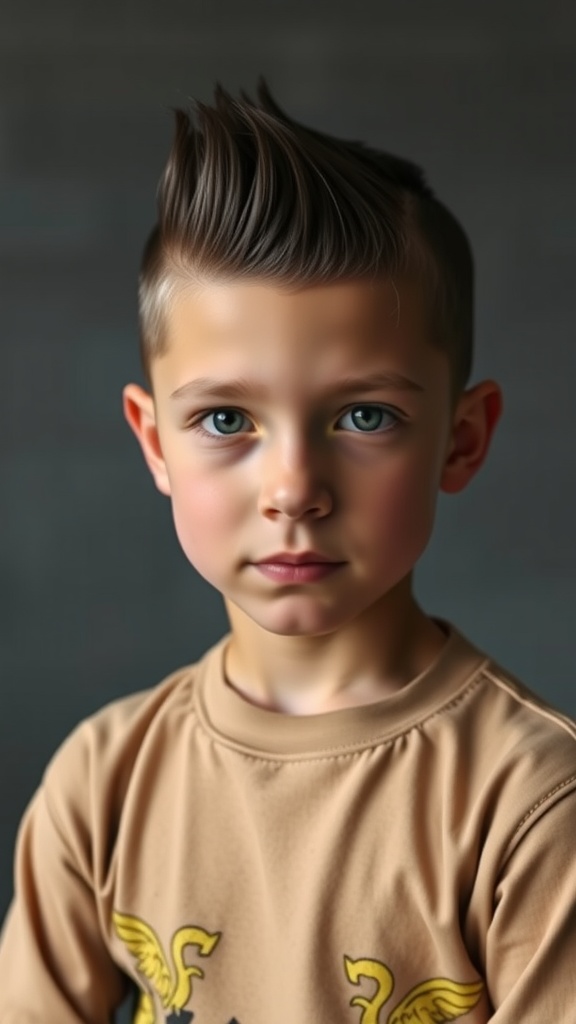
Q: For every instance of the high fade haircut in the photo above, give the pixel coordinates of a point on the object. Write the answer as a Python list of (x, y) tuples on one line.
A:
[(249, 193)]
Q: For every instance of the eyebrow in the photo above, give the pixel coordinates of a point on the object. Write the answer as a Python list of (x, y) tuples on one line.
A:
[(205, 387)]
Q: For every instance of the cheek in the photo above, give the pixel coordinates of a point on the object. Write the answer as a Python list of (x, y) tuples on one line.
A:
[(204, 515), (402, 504)]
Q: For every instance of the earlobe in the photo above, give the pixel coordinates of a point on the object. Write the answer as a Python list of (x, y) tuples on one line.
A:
[(475, 419), (140, 415)]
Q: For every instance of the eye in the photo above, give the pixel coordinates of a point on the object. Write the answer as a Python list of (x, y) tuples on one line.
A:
[(369, 419), (224, 422)]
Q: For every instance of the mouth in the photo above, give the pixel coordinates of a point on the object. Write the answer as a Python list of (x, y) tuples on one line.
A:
[(310, 568), (303, 558)]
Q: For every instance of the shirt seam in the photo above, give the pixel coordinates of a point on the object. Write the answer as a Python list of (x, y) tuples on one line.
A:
[(549, 796), (551, 715), (341, 751)]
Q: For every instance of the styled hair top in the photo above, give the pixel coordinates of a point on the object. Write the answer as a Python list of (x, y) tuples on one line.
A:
[(248, 192)]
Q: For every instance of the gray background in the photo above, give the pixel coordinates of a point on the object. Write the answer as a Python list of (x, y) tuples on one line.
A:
[(96, 598)]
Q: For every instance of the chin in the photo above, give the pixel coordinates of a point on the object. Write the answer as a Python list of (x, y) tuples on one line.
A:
[(300, 629), (299, 621)]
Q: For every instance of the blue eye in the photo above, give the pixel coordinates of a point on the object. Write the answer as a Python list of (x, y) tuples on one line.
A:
[(370, 419), (226, 422)]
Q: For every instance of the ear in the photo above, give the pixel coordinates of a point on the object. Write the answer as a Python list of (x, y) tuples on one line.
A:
[(140, 414), (475, 418)]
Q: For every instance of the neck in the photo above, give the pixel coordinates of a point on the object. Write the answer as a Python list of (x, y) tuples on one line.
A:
[(365, 661)]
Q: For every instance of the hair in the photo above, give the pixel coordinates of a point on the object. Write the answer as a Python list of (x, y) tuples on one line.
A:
[(249, 193)]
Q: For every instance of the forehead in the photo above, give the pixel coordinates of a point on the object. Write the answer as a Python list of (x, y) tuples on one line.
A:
[(265, 330)]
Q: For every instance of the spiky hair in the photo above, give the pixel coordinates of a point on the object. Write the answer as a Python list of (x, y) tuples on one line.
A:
[(247, 192)]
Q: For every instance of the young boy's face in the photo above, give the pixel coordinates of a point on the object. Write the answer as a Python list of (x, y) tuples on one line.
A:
[(289, 422)]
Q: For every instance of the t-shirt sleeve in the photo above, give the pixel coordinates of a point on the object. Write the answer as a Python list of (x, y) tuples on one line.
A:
[(54, 963), (531, 943), (57, 964)]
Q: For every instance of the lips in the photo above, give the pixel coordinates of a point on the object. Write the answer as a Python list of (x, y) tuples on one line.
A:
[(303, 558), (297, 567)]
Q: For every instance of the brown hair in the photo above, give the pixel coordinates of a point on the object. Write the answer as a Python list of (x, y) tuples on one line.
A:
[(249, 193)]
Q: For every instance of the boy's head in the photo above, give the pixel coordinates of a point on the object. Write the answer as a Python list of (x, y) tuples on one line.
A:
[(249, 194), (307, 328)]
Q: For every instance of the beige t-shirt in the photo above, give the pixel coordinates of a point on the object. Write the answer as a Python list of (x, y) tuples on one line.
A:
[(406, 862)]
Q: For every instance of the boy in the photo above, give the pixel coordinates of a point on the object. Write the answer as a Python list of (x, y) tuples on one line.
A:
[(344, 812)]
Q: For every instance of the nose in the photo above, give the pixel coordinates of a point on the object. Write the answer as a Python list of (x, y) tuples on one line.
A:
[(294, 483)]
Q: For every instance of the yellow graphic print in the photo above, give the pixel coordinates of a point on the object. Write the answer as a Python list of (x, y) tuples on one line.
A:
[(173, 984), (432, 1002)]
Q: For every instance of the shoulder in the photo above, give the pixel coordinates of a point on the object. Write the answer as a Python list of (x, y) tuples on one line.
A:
[(522, 722), (89, 776), (487, 699), (123, 722), (516, 753)]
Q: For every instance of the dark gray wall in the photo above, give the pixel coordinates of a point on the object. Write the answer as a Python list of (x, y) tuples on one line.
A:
[(96, 598)]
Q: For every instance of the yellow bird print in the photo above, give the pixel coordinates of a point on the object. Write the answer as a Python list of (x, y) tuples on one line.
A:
[(172, 983), (431, 1002)]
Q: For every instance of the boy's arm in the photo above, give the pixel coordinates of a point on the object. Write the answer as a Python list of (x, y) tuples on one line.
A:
[(531, 943), (54, 964)]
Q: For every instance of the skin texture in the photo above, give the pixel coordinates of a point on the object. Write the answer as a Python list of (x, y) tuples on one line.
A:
[(307, 465)]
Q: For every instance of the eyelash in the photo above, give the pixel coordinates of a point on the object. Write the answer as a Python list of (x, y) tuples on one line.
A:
[(197, 426)]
